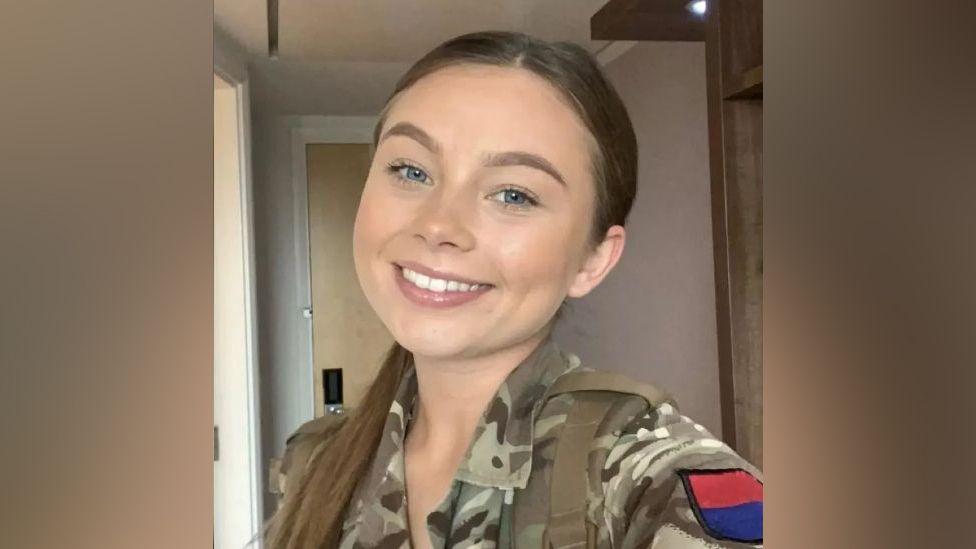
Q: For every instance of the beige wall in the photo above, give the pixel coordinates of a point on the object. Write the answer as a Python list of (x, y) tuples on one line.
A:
[(654, 317)]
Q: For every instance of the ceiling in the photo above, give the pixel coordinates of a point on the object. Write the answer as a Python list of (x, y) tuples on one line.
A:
[(342, 57)]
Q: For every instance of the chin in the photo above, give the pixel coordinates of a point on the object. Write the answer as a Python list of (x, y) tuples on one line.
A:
[(432, 341)]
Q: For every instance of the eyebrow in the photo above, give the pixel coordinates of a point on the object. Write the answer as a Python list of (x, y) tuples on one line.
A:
[(521, 158), (406, 129), (491, 160)]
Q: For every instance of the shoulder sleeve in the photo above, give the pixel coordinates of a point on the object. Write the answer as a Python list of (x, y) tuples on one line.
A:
[(300, 448), (669, 484)]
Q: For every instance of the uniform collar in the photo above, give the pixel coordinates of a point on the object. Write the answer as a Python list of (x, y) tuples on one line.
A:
[(500, 453)]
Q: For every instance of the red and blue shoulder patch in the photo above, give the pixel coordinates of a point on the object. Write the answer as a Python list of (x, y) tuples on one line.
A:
[(728, 503)]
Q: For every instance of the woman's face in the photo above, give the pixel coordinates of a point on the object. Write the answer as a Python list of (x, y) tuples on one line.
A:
[(481, 175)]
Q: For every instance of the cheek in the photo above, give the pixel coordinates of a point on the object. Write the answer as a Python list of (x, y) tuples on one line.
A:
[(546, 257), (370, 231), (538, 259), (372, 226)]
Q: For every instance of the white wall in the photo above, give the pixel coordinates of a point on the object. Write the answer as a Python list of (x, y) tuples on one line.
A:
[(653, 318), (237, 475), (229, 56), (232, 514), (281, 327)]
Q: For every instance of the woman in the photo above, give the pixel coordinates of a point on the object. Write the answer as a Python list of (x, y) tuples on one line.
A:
[(503, 174)]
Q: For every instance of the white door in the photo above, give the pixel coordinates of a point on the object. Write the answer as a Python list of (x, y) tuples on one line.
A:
[(236, 488)]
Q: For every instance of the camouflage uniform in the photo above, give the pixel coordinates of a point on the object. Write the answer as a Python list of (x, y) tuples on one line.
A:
[(500, 495)]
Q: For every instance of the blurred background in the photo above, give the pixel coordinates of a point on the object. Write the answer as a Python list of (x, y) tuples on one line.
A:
[(297, 88)]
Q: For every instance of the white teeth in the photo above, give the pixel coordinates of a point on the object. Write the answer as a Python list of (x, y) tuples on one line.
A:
[(437, 284)]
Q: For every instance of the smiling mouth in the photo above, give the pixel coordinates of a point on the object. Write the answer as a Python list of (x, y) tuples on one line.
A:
[(440, 285), (437, 293)]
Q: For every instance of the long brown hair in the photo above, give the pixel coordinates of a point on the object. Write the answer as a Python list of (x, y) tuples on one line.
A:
[(311, 517)]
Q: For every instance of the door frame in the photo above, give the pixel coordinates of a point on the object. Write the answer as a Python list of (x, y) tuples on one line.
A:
[(314, 130), (224, 67)]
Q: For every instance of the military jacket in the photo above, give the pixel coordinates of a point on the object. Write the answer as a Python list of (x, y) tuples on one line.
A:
[(664, 481)]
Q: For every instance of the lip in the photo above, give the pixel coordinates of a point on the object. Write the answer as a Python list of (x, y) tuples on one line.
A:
[(432, 299), (432, 273)]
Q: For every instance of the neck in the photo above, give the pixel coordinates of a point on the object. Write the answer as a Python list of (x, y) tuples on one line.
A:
[(453, 394)]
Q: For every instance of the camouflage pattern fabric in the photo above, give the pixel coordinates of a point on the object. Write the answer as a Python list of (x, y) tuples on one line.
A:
[(500, 495)]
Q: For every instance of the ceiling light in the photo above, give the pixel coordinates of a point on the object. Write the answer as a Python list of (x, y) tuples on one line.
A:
[(698, 7)]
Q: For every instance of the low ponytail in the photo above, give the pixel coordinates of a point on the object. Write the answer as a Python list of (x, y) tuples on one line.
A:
[(311, 517)]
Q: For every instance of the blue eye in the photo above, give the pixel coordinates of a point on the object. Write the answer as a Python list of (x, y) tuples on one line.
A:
[(516, 198), (408, 172)]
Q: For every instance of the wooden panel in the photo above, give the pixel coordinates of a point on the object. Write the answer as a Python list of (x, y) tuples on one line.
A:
[(720, 245), (745, 85), (346, 333), (665, 20), (734, 70), (744, 219), (741, 39)]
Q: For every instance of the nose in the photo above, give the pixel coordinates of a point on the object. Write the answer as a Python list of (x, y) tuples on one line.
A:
[(444, 223)]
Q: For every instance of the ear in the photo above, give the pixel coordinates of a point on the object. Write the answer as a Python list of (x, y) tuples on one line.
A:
[(599, 262)]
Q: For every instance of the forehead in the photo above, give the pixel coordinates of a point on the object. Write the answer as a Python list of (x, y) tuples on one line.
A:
[(485, 108)]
